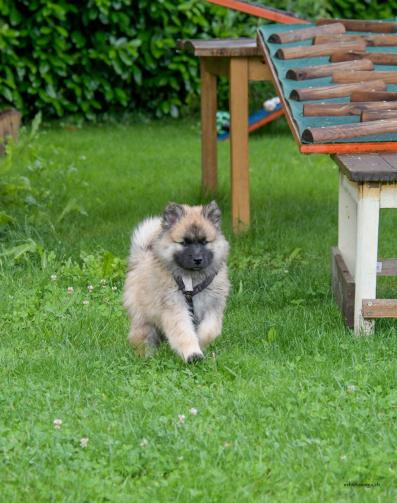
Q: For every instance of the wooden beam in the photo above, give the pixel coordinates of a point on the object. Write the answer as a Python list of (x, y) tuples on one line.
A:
[(347, 77), (352, 108), (387, 267), (373, 95), (314, 72), (256, 10), (285, 37), (209, 171), (379, 308), (335, 91), (343, 286), (378, 58), (311, 51), (345, 131), (362, 25)]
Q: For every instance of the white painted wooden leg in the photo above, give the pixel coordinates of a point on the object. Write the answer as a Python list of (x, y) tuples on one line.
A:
[(366, 253), (347, 224)]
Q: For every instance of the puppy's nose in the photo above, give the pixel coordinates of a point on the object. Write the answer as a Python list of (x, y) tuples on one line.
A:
[(197, 261)]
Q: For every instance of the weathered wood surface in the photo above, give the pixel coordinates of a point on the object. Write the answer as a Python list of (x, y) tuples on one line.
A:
[(369, 167), (10, 120), (313, 72), (382, 40), (346, 131), (387, 267), (347, 77), (340, 109), (229, 47), (305, 33), (310, 51), (367, 116), (334, 91), (379, 308), (362, 25), (378, 58), (373, 96), (343, 286)]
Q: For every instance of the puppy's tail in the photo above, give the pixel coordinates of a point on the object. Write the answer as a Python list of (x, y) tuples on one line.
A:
[(144, 235)]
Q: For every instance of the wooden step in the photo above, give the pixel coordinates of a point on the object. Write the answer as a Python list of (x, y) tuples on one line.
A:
[(379, 308)]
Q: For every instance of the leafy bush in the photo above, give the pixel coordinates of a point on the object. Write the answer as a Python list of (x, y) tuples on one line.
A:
[(84, 58)]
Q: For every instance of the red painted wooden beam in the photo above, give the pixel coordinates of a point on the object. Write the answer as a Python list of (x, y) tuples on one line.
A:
[(260, 11)]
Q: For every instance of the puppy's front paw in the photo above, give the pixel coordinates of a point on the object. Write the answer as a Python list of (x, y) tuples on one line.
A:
[(194, 357)]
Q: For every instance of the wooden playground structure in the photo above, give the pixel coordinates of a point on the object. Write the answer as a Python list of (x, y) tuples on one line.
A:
[(337, 100)]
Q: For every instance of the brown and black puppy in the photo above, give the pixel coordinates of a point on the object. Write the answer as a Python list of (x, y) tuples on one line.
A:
[(177, 282)]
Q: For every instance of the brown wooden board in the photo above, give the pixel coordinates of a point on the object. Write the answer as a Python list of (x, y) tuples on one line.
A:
[(343, 286), (368, 168), (379, 308), (10, 120), (220, 47)]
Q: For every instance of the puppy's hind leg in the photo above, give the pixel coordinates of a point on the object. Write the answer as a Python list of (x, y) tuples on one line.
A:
[(143, 336)]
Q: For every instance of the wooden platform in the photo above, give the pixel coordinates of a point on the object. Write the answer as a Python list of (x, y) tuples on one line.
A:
[(368, 183)]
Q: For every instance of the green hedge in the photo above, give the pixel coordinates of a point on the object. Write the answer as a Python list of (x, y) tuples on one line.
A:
[(68, 57)]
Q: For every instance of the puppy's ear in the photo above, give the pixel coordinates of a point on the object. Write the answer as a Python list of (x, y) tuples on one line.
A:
[(212, 212), (172, 213)]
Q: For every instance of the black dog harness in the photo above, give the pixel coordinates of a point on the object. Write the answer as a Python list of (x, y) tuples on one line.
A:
[(189, 294)]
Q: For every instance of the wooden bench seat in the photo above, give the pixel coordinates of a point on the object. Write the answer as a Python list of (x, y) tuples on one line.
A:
[(367, 184)]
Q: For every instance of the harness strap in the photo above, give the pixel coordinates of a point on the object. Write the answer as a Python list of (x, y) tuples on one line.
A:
[(189, 294)]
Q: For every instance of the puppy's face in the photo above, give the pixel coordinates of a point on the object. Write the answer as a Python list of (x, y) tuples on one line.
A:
[(192, 239)]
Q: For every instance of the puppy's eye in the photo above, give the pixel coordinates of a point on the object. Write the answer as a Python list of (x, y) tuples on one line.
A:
[(203, 241), (187, 242)]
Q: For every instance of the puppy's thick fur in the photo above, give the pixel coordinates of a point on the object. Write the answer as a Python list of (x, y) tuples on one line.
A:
[(186, 242)]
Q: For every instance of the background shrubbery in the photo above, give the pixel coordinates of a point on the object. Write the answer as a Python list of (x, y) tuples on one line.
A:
[(84, 58)]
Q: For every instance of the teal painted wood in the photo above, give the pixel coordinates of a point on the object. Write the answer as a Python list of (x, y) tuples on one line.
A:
[(282, 66)]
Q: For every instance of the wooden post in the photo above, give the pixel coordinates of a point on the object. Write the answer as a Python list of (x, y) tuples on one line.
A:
[(209, 176), (238, 103), (366, 253)]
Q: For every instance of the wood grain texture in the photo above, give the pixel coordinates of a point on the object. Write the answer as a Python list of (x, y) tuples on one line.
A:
[(285, 37), (340, 109), (347, 77), (238, 90), (209, 173), (362, 25), (334, 91), (311, 51), (373, 96), (346, 131), (383, 40), (343, 286), (379, 308), (313, 72), (378, 58), (368, 168), (387, 267), (10, 121), (220, 47), (367, 116)]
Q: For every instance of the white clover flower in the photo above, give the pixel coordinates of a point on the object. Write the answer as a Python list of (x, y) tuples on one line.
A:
[(86, 302), (103, 281), (70, 290), (57, 424), (83, 442), (90, 288), (54, 277), (144, 443), (193, 411), (181, 418), (343, 457), (114, 288), (351, 388)]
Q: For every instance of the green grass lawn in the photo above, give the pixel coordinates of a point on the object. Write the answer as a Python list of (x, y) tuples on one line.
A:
[(290, 405)]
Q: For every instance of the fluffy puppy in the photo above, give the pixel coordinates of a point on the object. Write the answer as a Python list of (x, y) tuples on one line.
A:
[(177, 281)]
